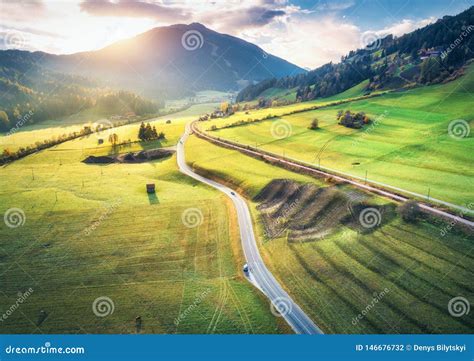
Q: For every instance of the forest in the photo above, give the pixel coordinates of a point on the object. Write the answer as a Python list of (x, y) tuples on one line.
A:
[(426, 56)]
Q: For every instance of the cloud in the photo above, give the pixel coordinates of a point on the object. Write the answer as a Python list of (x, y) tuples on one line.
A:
[(134, 8), (239, 19), (307, 42), (21, 10), (310, 41), (334, 5), (404, 26)]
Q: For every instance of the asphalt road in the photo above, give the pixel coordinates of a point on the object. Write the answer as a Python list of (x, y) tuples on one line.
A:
[(259, 275)]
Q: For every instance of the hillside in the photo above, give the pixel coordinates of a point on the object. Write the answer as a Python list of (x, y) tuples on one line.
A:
[(429, 55), (419, 139), (31, 93), (309, 234)]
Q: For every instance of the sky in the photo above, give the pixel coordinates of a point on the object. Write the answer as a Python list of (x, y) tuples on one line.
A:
[(308, 33)]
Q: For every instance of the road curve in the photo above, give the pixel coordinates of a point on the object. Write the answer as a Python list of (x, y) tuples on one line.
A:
[(259, 275), (455, 219)]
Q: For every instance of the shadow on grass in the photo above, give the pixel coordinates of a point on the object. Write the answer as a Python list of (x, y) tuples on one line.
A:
[(153, 199)]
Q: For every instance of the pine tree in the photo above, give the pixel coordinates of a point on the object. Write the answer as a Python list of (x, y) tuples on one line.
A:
[(148, 132), (141, 132)]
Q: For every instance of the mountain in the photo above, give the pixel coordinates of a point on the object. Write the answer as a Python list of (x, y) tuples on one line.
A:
[(433, 54), (164, 62), (176, 60)]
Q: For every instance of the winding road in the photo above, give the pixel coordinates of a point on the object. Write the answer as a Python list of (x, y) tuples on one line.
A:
[(259, 275)]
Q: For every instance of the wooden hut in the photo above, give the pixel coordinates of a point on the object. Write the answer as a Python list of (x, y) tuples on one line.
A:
[(150, 188)]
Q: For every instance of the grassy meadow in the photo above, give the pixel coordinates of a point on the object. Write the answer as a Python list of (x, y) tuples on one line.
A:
[(407, 145), (335, 278), (92, 231), (27, 135)]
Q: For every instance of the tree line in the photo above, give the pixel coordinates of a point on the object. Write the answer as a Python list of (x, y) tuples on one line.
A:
[(389, 62), (31, 94)]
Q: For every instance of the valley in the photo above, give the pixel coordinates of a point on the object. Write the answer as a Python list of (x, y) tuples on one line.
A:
[(180, 179), (387, 151), (106, 237)]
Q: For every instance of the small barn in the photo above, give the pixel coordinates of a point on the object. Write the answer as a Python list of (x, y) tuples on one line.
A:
[(150, 188)]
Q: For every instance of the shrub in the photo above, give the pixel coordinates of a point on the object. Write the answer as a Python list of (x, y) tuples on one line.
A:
[(352, 120), (314, 124), (409, 211)]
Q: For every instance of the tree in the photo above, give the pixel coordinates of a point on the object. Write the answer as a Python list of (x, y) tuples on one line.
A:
[(7, 153), (409, 211), (141, 132), (148, 132), (113, 138), (4, 121), (352, 120), (314, 124), (224, 107), (430, 70)]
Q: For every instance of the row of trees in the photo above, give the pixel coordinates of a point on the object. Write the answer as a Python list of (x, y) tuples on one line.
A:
[(147, 132), (9, 156)]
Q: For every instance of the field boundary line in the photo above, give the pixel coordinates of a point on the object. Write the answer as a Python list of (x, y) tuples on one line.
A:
[(397, 195)]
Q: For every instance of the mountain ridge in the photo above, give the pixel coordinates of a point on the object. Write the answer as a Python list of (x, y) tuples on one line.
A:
[(182, 58), (429, 55)]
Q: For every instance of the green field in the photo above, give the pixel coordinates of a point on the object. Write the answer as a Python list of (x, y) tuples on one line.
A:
[(407, 145), (334, 278), (29, 134), (92, 231)]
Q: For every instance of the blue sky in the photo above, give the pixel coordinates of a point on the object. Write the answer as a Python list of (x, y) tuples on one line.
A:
[(370, 14), (308, 33)]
